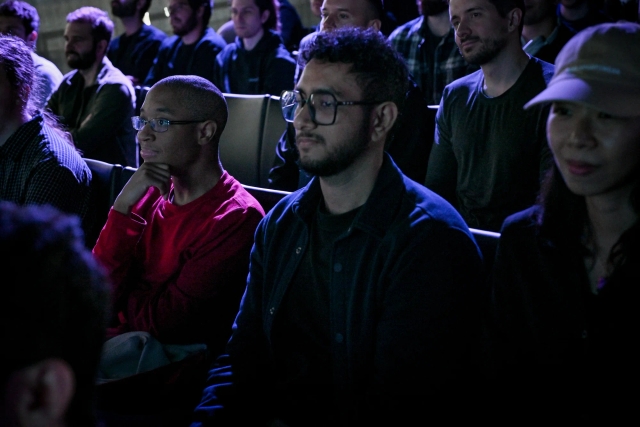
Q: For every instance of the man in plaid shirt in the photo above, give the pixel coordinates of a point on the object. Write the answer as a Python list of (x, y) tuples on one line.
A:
[(428, 45)]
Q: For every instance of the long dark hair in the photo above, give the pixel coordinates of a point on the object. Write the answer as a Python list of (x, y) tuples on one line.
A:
[(564, 220), (15, 59)]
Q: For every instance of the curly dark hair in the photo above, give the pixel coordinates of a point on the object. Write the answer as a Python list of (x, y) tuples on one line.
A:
[(101, 24), (23, 10), (60, 308), (381, 71)]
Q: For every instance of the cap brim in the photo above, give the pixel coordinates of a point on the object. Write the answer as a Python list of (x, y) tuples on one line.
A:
[(609, 97)]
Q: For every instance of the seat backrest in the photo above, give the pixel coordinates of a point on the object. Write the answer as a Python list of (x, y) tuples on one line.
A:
[(241, 141), (274, 127), (265, 196), (107, 180), (488, 243)]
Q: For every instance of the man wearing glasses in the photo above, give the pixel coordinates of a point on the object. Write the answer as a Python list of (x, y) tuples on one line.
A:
[(177, 239), (363, 300)]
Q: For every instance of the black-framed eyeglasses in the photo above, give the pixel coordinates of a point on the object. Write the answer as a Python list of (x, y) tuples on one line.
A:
[(323, 106), (159, 125)]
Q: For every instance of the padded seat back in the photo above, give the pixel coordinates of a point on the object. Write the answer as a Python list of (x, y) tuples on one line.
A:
[(107, 180), (248, 143)]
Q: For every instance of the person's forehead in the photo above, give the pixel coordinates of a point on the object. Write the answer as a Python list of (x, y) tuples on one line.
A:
[(163, 100), (462, 6), (334, 77), (178, 2), (348, 5), (243, 3), (78, 28)]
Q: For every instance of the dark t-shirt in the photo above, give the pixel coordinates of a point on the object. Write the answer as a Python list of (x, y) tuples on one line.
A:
[(490, 153)]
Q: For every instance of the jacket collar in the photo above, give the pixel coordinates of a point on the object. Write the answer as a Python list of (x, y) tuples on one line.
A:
[(378, 212)]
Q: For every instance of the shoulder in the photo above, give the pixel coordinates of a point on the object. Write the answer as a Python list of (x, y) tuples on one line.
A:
[(154, 32), (542, 68), (168, 42), (407, 29), (211, 40), (525, 221)]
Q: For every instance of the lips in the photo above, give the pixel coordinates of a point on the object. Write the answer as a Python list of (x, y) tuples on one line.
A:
[(580, 168)]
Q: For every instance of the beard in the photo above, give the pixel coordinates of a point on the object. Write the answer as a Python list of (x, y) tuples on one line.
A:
[(341, 157), (82, 61), (433, 7), (488, 50), (124, 10), (187, 27)]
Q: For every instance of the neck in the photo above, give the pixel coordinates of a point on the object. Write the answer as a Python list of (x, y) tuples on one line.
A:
[(610, 215), (543, 28), (251, 42), (194, 35), (503, 71), (91, 73), (351, 188), (575, 13), (8, 125), (194, 182), (131, 24), (439, 24)]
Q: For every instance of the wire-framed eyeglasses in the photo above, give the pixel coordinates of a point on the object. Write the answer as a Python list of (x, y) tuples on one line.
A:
[(159, 125), (323, 106)]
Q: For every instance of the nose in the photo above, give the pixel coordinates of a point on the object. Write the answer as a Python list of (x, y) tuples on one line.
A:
[(302, 118), (581, 134), (328, 23), (462, 29), (146, 132)]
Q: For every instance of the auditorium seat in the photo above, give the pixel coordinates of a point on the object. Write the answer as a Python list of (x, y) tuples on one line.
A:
[(247, 145)]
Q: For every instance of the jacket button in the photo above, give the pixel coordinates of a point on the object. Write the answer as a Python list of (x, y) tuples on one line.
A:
[(337, 267), (339, 338), (272, 310), (298, 250)]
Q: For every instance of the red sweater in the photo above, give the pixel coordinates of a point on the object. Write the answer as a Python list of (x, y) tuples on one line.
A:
[(179, 272)]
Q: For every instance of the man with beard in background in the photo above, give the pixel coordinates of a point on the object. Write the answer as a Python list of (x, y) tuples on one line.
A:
[(95, 101), (133, 52), (542, 35), (193, 48), (490, 154), (428, 45)]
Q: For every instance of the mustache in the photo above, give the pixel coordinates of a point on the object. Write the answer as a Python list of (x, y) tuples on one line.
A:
[(309, 135), (466, 39)]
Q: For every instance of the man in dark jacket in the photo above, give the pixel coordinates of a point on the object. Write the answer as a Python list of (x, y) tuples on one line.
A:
[(193, 48), (258, 62), (363, 300), (95, 101), (133, 51)]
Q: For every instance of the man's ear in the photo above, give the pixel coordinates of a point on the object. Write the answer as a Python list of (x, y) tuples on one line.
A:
[(515, 18), (101, 48), (375, 23), (31, 38), (207, 132), (383, 118), (42, 392), (265, 16)]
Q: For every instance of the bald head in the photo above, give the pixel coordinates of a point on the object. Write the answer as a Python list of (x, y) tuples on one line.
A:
[(198, 99)]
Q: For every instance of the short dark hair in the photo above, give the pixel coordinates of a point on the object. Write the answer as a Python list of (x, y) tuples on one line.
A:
[(381, 72), (56, 307), (273, 22), (145, 7), (196, 90), (23, 10), (101, 24), (505, 6), (208, 8), (16, 60)]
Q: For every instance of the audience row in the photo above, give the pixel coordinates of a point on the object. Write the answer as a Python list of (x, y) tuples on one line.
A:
[(361, 297)]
